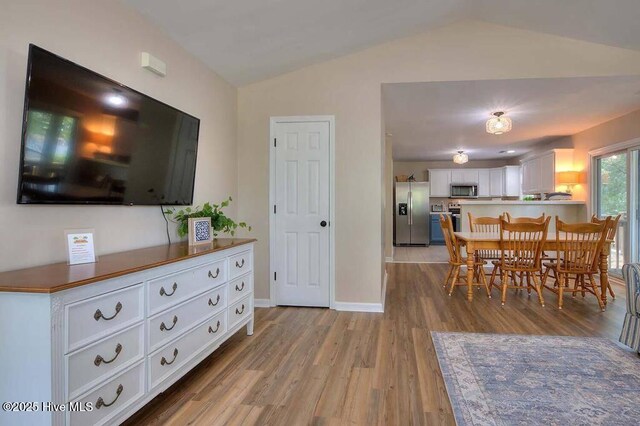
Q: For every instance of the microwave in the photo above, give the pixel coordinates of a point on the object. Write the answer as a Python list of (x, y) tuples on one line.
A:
[(464, 190)]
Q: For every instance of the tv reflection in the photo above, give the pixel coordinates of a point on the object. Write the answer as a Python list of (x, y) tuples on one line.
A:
[(109, 154)]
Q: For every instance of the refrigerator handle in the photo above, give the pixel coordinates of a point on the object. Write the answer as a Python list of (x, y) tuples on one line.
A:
[(410, 208)]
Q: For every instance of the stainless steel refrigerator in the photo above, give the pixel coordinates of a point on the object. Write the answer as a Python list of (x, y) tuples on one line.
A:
[(411, 213)]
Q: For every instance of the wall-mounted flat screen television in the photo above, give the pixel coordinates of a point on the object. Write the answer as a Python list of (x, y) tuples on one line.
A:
[(87, 139)]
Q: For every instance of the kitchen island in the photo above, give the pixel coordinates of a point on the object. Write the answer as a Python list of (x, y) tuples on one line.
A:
[(566, 210)]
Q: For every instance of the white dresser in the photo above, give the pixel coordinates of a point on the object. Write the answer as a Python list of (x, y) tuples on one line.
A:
[(92, 344)]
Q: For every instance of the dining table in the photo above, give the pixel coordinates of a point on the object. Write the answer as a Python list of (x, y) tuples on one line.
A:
[(476, 241)]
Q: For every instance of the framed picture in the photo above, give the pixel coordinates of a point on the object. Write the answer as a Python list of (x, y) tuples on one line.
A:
[(200, 231)]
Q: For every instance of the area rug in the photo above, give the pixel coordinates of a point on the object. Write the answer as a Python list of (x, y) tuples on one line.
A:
[(502, 379)]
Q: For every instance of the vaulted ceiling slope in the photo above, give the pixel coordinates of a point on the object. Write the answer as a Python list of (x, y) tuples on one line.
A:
[(251, 40)]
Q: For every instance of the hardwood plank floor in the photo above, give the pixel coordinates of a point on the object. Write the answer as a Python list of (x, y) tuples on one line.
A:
[(317, 366)]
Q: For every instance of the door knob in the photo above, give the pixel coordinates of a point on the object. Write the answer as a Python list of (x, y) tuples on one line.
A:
[(323, 223)]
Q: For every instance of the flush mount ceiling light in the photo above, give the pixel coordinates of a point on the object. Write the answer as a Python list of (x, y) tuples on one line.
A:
[(498, 124), (116, 100), (460, 158)]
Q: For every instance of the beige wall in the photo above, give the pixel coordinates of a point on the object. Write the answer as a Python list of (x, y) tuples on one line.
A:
[(105, 36), (420, 168), (350, 88)]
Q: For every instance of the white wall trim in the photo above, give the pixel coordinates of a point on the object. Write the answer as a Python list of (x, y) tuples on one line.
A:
[(603, 151), (332, 201), (388, 259), (358, 307), (620, 146), (262, 303), (384, 289)]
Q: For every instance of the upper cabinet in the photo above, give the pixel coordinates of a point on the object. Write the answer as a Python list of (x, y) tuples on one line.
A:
[(511, 181), (440, 182), (484, 183), (464, 176), (539, 173), (496, 182)]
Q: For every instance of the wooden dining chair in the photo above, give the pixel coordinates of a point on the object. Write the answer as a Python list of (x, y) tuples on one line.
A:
[(524, 219), (456, 260), (491, 225), (578, 253), (521, 253), (611, 236)]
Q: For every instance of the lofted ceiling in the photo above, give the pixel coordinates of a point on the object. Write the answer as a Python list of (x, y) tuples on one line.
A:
[(430, 121), (250, 40)]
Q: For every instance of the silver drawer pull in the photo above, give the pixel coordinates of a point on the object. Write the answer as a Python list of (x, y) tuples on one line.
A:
[(211, 330), (216, 275), (164, 361), (240, 312), (99, 313), (241, 287), (217, 301), (240, 265), (164, 327), (100, 402), (163, 292), (99, 360)]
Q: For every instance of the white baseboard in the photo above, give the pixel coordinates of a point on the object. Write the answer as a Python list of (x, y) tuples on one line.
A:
[(358, 307), (262, 303), (388, 259)]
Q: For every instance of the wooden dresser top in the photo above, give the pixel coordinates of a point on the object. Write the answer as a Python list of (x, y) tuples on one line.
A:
[(61, 276)]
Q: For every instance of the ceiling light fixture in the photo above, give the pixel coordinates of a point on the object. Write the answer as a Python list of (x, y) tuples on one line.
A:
[(116, 100), (460, 158), (498, 124)]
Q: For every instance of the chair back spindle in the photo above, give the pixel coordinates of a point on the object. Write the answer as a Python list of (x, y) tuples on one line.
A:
[(521, 245)]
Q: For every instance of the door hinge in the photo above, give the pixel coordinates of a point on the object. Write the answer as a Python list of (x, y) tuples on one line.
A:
[(275, 142), (275, 276), (275, 210)]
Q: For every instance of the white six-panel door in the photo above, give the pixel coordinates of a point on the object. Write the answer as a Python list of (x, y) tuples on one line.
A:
[(302, 213)]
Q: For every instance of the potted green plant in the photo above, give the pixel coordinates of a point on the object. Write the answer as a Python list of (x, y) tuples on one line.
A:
[(219, 222)]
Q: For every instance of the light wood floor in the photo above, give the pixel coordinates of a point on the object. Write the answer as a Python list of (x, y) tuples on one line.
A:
[(316, 366), (431, 254)]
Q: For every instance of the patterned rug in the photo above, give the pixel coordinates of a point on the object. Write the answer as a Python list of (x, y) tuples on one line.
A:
[(503, 379)]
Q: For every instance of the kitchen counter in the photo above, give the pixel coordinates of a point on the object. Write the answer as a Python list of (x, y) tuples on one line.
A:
[(437, 213), (521, 202)]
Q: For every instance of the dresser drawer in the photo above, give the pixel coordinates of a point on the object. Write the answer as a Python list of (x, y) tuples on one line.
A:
[(170, 324), (111, 398), (240, 287), (240, 264), (93, 364), (172, 289), (101, 316), (173, 356), (240, 310)]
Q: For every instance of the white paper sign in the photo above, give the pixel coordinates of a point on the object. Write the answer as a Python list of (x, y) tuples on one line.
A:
[(80, 247)]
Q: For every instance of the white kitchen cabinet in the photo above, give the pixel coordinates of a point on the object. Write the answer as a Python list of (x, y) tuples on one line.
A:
[(464, 176), (484, 183), (510, 181), (546, 181), (530, 175), (539, 173), (496, 182), (440, 182)]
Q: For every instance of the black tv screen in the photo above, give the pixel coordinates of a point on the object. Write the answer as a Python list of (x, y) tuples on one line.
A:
[(87, 139)]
